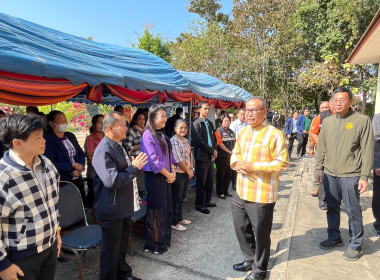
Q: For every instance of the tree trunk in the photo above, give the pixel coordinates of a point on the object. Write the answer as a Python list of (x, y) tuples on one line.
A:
[(316, 102), (364, 102)]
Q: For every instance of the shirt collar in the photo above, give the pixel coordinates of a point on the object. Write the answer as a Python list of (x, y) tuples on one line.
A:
[(18, 160), (349, 113), (112, 142), (260, 126)]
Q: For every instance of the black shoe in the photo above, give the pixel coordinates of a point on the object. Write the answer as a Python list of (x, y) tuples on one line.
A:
[(244, 266), (252, 276), (228, 195), (60, 259), (131, 278), (203, 210), (160, 250), (211, 205), (329, 244), (322, 205)]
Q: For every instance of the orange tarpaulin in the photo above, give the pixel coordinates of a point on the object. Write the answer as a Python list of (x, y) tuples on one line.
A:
[(19, 89), (135, 96), (195, 98)]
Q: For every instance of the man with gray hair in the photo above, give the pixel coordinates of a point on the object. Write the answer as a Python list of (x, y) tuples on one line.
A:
[(259, 155), (115, 196)]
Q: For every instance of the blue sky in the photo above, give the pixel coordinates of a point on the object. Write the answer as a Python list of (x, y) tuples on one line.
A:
[(112, 21)]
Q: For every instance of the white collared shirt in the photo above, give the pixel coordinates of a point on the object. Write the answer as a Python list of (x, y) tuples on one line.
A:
[(236, 126)]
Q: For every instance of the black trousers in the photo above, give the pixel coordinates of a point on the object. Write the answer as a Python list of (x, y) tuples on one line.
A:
[(115, 238), (337, 188), (90, 193), (205, 174), (179, 192), (293, 137), (253, 226), (223, 175), (40, 266), (376, 201), (302, 143), (233, 179)]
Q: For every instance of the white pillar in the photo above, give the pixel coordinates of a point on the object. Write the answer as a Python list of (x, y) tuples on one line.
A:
[(377, 104)]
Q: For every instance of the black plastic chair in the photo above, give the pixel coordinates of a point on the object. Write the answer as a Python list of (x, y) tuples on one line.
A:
[(81, 236)]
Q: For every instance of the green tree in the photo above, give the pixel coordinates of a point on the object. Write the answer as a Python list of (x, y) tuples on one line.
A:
[(265, 38), (205, 48), (329, 30), (155, 44), (208, 10)]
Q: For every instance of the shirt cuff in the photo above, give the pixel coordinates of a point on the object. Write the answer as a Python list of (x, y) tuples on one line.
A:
[(4, 264), (364, 178)]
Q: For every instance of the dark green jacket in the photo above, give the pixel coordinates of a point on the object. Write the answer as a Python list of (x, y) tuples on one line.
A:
[(345, 146)]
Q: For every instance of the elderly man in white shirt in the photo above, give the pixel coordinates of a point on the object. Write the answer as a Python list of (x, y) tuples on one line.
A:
[(236, 126), (239, 123)]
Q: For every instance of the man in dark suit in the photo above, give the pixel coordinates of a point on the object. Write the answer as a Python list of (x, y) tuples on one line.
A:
[(205, 154), (169, 126), (115, 197)]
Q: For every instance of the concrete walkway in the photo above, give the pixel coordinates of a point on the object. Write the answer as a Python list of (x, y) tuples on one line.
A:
[(298, 255), (209, 248)]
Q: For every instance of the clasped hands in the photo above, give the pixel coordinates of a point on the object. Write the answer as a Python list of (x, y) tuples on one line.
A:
[(244, 167), (77, 169)]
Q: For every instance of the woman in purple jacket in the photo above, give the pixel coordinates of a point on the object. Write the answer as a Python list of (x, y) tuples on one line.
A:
[(159, 174)]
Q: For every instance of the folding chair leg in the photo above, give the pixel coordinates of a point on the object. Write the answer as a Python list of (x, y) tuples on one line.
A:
[(131, 245), (76, 258)]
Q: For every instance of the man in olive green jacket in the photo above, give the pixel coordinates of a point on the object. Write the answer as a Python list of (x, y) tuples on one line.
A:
[(344, 161)]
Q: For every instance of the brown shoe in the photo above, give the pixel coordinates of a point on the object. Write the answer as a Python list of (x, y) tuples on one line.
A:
[(314, 193)]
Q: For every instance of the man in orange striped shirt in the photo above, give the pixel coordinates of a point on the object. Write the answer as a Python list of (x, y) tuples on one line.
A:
[(259, 155)]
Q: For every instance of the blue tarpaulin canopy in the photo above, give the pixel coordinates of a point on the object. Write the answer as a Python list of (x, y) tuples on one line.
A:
[(32, 49), (27, 48)]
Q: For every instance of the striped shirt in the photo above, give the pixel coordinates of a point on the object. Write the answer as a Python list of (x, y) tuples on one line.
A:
[(70, 150), (265, 147)]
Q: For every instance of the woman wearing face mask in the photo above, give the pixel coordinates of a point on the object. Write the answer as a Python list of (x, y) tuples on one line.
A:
[(63, 150)]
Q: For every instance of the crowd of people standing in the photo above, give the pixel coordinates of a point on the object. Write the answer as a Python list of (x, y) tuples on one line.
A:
[(150, 161)]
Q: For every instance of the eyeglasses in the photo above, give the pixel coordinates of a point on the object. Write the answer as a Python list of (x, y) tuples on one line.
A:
[(340, 101), (253, 111)]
